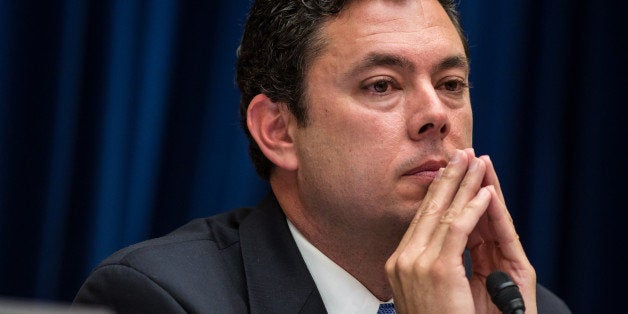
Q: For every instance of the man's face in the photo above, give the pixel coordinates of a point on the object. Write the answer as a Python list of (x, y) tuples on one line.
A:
[(387, 104)]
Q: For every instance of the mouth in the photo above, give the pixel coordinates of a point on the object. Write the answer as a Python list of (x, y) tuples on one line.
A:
[(427, 170)]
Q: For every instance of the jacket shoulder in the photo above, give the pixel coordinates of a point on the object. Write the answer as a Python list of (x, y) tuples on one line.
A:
[(548, 302), (213, 233), (197, 267)]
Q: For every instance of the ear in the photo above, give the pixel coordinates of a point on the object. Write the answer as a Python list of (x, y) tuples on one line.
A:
[(270, 125)]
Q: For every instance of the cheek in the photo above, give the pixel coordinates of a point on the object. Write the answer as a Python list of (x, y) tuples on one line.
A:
[(356, 128), (462, 128), (352, 147), (372, 143), (362, 144)]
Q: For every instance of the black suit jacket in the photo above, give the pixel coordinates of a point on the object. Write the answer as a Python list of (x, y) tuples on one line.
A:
[(244, 261)]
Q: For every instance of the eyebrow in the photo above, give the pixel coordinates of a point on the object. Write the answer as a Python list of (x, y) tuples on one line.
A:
[(376, 59), (453, 62)]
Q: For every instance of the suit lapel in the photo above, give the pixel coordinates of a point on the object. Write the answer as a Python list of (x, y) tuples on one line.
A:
[(277, 279)]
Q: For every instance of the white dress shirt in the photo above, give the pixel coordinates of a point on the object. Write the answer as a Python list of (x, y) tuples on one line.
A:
[(341, 292)]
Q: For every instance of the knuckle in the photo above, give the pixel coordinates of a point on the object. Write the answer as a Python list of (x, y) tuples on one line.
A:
[(423, 268), (530, 273), (404, 263), (432, 207), (448, 217), (390, 268), (440, 269), (391, 264), (457, 227), (411, 266), (465, 184)]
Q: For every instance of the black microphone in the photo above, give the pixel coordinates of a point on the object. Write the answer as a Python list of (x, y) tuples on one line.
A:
[(505, 293)]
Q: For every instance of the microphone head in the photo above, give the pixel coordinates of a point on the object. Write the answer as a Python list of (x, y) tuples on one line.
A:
[(504, 292)]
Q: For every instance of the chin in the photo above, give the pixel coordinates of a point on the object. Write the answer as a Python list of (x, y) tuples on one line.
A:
[(404, 215)]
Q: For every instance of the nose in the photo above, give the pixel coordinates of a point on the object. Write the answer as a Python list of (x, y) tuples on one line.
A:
[(429, 116)]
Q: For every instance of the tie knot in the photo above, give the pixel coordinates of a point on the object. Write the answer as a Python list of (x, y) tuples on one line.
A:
[(386, 308)]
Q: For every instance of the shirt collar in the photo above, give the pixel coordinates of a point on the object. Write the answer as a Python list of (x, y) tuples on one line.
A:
[(341, 292)]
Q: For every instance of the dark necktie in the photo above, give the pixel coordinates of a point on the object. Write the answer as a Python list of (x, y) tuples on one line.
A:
[(386, 308)]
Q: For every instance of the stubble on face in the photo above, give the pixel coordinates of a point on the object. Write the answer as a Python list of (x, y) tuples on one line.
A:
[(355, 150)]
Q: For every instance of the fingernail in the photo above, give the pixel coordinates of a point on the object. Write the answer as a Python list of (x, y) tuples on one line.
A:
[(440, 173), (490, 188)]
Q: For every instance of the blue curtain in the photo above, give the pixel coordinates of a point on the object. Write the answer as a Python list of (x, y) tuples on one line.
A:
[(119, 122)]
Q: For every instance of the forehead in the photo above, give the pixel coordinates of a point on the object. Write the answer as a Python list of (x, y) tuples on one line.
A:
[(410, 26), (425, 12)]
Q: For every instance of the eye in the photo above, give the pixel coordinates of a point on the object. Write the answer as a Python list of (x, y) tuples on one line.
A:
[(380, 86), (454, 85)]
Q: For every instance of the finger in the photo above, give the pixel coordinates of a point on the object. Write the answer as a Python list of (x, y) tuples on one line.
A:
[(504, 233), (484, 233), (481, 233), (499, 210), (470, 152), (437, 199), (481, 246), (456, 232), (468, 190), (491, 177)]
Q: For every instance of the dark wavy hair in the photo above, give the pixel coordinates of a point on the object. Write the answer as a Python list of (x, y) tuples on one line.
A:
[(280, 39)]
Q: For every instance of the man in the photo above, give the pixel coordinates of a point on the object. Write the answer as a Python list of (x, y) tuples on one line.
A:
[(359, 116)]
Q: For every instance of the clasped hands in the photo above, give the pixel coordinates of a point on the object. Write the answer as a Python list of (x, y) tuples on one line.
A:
[(463, 208)]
